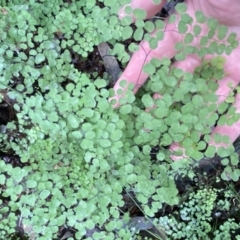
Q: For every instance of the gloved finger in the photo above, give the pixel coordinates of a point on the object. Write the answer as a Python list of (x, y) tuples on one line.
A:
[(155, 96), (188, 65), (231, 131), (226, 87), (178, 152), (231, 79), (148, 5), (223, 91), (133, 73)]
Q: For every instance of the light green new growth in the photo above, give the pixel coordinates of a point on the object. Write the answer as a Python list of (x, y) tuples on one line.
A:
[(193, 221), (78, 154)]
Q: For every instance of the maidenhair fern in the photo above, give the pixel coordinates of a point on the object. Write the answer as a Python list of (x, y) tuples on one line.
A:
[(77, 154)]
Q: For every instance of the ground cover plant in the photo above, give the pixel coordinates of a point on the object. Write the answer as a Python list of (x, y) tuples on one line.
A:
[(74, 167)]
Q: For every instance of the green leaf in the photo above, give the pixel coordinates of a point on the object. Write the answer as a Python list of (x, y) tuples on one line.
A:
[(126, 21), (86, 144), (226, 139), (2, 179), (188, 38), (89, 224), (172, 18), (197, 101), (161, 112), (139, 23), (210, 152), (197, 155), (160, 156), (225, 161), (212, 23), (33, 52), (166, 62), (39, 58), (31, 199), (48, 44), (222, 32), (125, 109), (9, 53), (179, 46), (186, 18), (149, 68), (90, 135), (70, 87), (139, 13), (204, 40), (187, 143), (188, 49), (195, 136), (31, 184), (223, 152), (149, 26), (159, 35), (116, 135), (217, 138), (157, 1), (73, 121), (222, 120), (166, 140), (225, 175), (128, 10), (200, 17), (181, 8), (156, 87), (76, 48), (77, 134), (231, 38), (211, 33), (170, 81), (131, 178), (180, 56), (182, 27), (133, 47), (18, 189), (159, 24), (87, 127), (100, 83), (88, 112), (235, 175), (101, 124), (105, 143), (138, 34), (53, 117), (128, 168), (127, 32), (201, 145), (141, 198), (234, 159), (44, 194), (197, 30), (153, 43), (147, 100), (178, 72)]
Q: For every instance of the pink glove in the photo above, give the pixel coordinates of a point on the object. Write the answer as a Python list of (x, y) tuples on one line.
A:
[(227, 12)]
